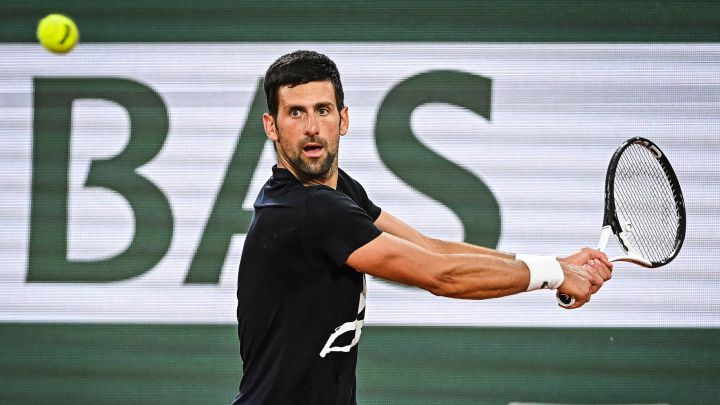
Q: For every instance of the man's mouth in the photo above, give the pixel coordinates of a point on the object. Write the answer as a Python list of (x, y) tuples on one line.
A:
[(313, 150)]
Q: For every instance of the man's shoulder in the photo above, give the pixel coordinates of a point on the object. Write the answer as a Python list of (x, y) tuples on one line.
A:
[(344, 176), (280, 191), (327, 205), (323, 196), (348, 184)]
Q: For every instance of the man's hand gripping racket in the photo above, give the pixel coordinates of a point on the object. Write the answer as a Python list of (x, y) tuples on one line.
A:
[(644, 207)]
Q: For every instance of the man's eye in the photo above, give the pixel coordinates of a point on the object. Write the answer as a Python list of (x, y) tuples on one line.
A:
[(295, 113), (323, 111)]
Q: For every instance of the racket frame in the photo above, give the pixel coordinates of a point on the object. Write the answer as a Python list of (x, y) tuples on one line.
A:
[(610, 218)]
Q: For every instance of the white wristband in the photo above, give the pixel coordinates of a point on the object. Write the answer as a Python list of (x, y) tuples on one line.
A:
[(545, 271)]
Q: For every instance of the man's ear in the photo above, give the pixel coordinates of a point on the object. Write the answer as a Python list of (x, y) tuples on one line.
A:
[(344, 120), (270, 128)]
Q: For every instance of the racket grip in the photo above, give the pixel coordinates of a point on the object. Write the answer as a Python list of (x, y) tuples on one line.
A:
[(565, 300)]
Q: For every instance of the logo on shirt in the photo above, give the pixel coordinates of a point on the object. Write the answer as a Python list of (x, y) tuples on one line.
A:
[(355, 325)]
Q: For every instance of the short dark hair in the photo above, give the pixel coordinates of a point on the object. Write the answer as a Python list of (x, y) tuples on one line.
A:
[(301, 67)]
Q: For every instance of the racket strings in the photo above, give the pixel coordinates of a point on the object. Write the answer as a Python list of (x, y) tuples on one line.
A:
[(645, 204), (649, 214), (646, 234), (657, 185), (654, 213)]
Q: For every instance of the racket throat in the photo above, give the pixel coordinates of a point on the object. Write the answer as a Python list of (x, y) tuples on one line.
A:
[(633, 256)]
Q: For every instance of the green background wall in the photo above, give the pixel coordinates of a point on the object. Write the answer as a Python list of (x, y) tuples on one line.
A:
[(375, 20), (191, 364)]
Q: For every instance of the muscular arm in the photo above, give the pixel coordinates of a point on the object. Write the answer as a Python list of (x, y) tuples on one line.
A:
[(388, 223), (472, 276), (462, 270)]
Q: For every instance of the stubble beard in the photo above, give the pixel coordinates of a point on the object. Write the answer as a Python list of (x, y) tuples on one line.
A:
[(312, 169)]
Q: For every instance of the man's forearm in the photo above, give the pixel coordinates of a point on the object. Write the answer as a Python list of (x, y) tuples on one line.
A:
[(388, 223), (449, 247)]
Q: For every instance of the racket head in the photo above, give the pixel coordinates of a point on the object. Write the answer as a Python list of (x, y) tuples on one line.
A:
[(644, 205)]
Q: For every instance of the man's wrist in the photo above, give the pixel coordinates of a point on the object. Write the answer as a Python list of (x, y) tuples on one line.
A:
[(545, 271)]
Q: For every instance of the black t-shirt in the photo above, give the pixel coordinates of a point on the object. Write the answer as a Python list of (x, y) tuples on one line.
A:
[(300, 308)]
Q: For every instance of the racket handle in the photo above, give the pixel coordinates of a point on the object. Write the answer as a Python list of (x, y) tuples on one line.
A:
[(565, 300)]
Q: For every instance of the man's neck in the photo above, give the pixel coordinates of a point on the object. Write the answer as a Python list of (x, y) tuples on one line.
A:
[(329, 181)]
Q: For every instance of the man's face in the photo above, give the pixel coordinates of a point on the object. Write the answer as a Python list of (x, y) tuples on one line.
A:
[(307, 129)]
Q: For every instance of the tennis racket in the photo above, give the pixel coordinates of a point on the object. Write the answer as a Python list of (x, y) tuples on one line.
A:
[(644, 207)]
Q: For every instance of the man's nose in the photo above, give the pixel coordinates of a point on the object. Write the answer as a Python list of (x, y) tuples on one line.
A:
[(311, 127)]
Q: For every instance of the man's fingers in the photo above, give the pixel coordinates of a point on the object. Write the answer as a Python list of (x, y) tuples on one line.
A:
[(597, 274), (579, 301), (592, 268), (601, 269), (603, 258), (579, 284)]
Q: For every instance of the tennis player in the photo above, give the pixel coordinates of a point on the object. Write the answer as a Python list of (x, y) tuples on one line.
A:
[(314, 236)]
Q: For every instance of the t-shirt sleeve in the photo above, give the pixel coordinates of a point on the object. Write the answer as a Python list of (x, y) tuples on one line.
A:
[(336, 225), (372, 210), (358, 194)]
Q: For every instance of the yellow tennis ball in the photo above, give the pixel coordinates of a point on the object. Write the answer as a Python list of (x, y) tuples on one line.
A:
[(57, 33)]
